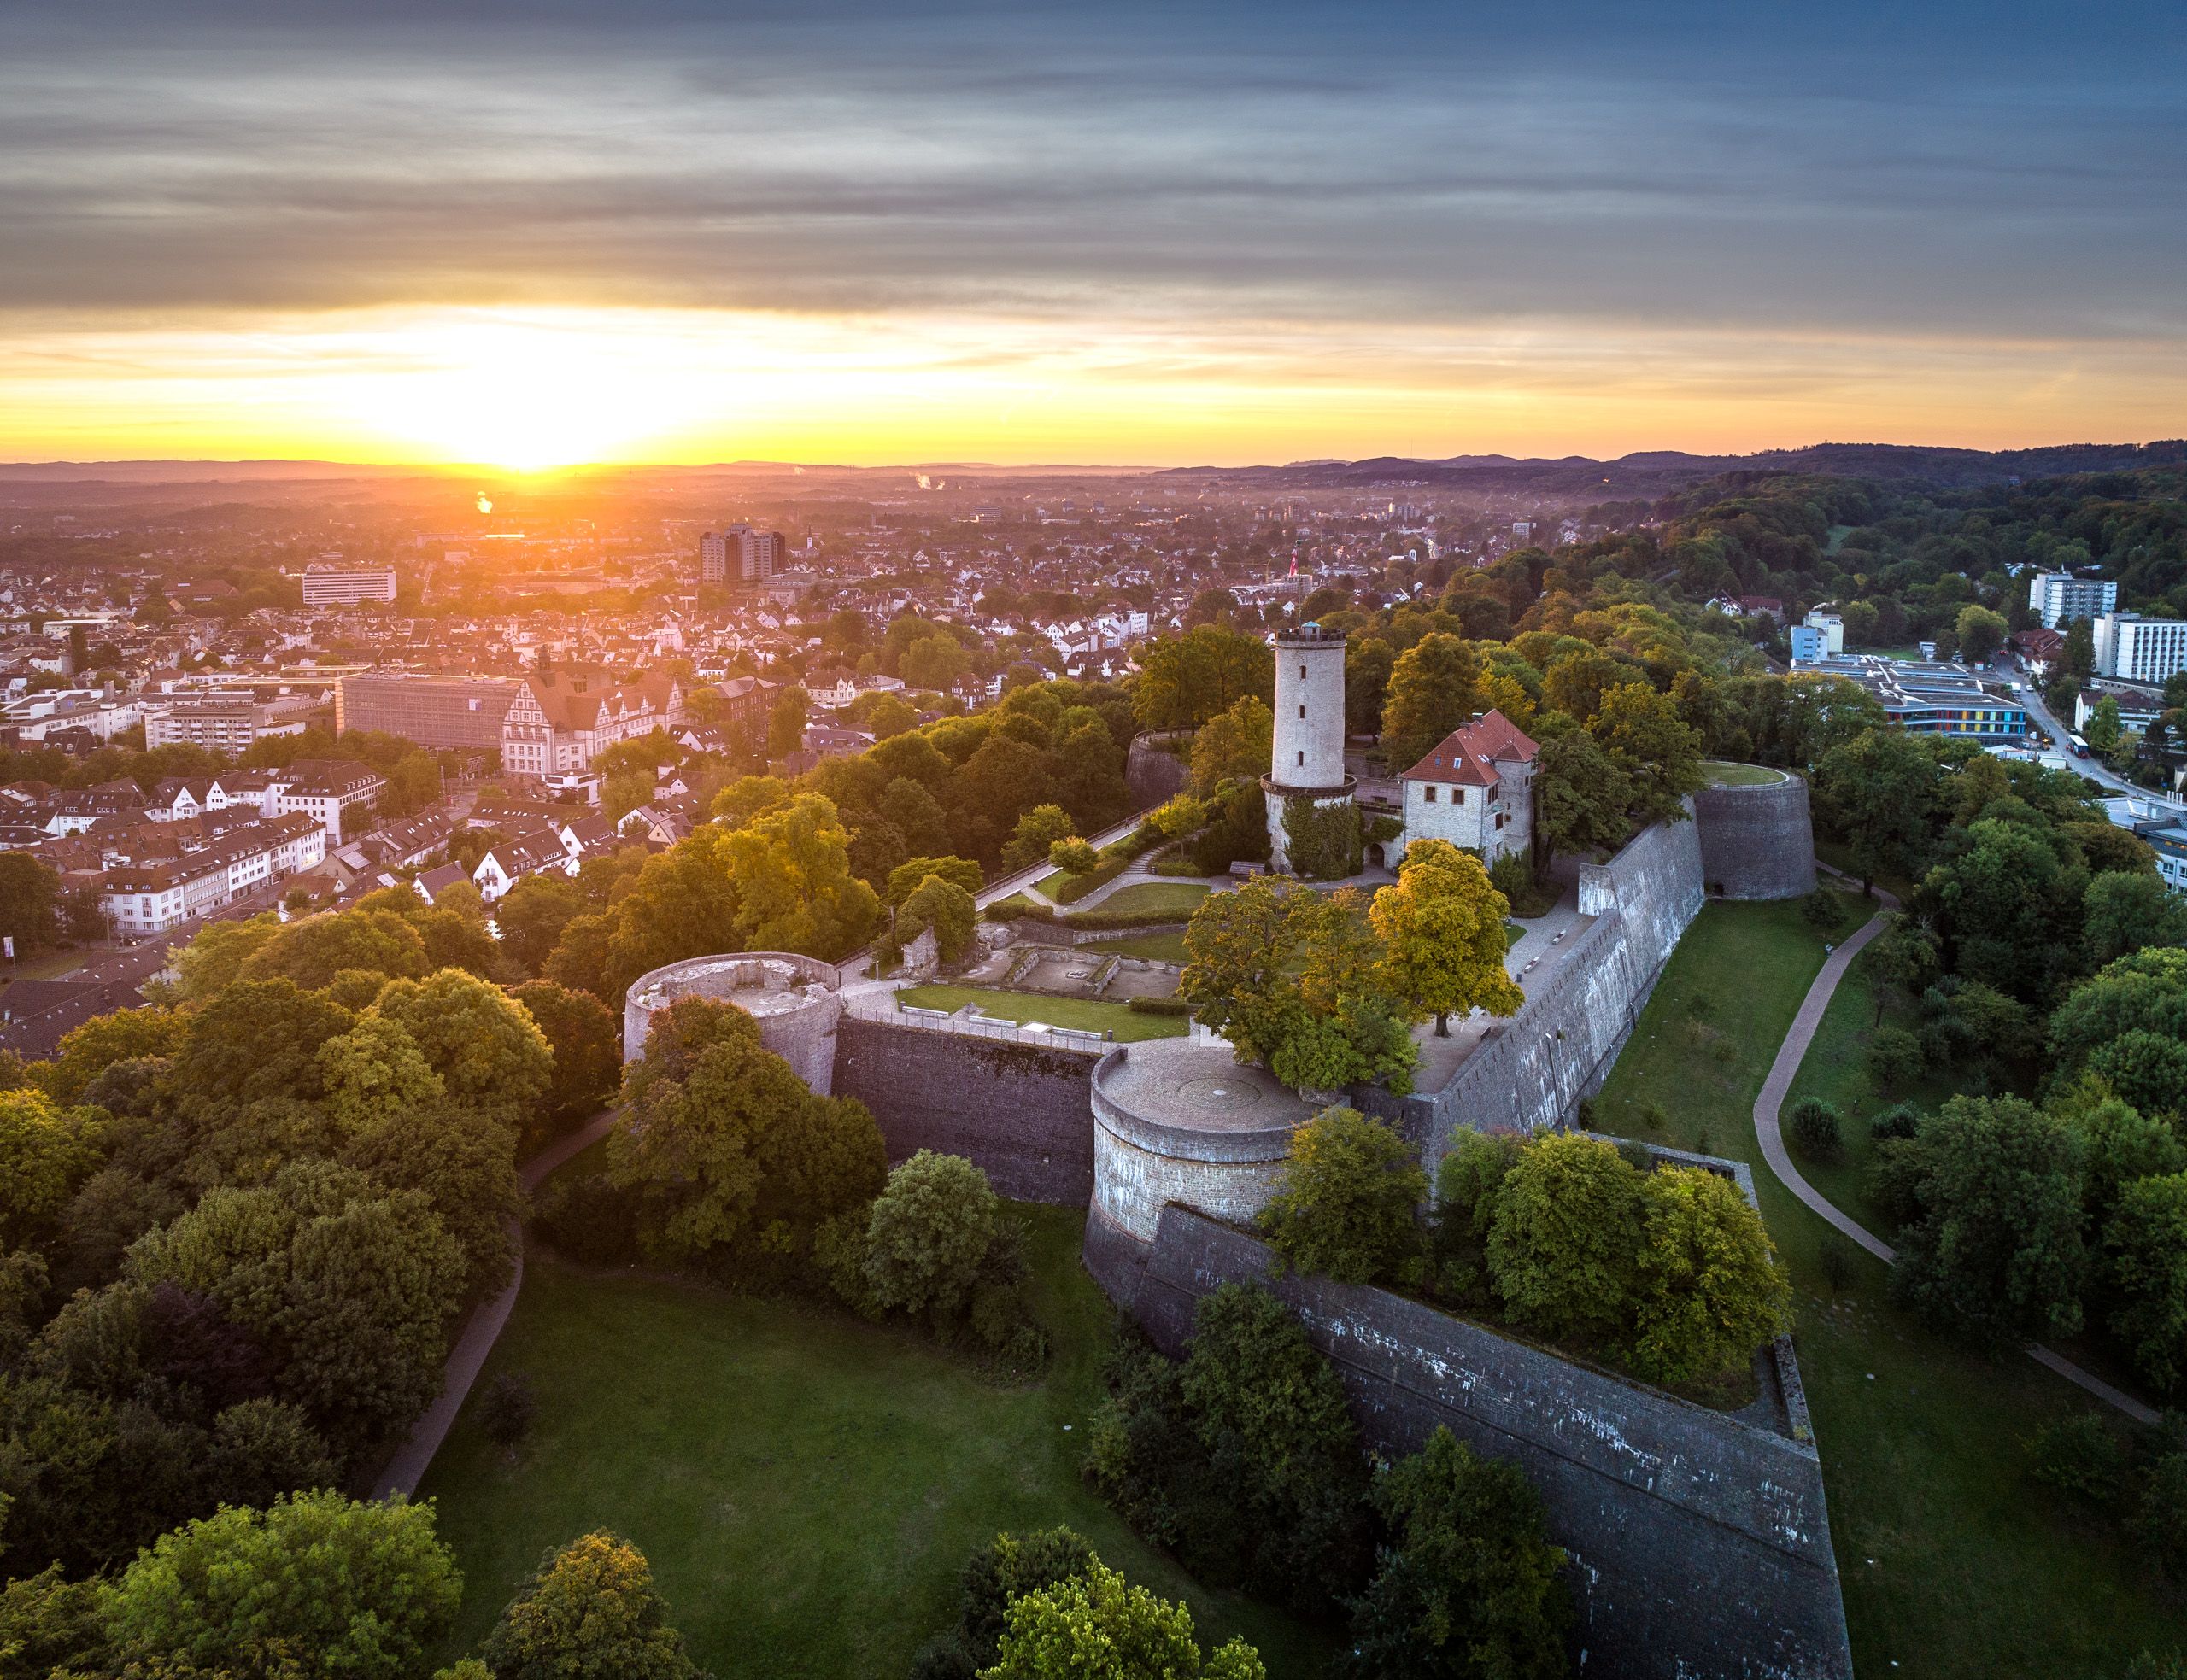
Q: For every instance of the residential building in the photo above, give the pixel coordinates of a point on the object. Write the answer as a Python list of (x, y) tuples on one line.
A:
[(435, 712), (509, 861), (559, 719), (140, 900), (2039, 650), (224, 722), (740, 555), (2059, 597), (1475, 789), (2135, 649), (2138, 708), (327, 582), (326, 790)]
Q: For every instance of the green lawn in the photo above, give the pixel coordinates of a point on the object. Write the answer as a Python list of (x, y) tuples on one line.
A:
[(1167, 947), (1954, 1564), (806, 1486), (1724, 774), (1088, 1014), (1144, 897)]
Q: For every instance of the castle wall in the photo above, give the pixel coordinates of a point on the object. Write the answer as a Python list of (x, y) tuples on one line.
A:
[(1531, 1072), (1020, 1112), (794, 999), (1699, 1541), (1756, 842), (1153, 775)]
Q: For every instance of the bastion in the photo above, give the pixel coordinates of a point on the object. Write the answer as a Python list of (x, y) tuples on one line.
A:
[(796, 999), (1757, 841)]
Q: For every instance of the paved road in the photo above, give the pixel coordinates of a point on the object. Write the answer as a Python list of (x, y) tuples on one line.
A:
[(1770, 1104), (468, 1356)]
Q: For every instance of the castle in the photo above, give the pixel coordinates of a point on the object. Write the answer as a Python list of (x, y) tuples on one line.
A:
[(1700, 1539)]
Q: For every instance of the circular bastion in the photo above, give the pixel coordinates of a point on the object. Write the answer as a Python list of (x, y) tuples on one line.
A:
[(796, 999), (1757, 841), (1179, 1119)]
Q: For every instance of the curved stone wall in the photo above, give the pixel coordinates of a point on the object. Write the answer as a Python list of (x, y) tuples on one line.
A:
[(1153, 775), (1757, 842), (794, 998)]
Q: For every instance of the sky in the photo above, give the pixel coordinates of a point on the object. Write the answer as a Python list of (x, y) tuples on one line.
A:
[(535, 235)]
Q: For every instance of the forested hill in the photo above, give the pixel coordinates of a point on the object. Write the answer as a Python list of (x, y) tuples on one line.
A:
[(1657, 472)]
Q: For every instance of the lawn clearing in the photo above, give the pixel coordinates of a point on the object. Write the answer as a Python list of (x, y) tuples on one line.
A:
[(806, 1486), (1167, 947), (1953, 1563), (1724, 774), (1086, 1015), (1145, 897)]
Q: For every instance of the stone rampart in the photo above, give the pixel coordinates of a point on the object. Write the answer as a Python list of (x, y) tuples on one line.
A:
[(1154, 774), (1022, 1112), (796, 999), (1700, 1541), (1757, 841)]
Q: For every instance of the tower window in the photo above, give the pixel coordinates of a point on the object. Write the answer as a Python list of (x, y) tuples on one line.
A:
[(1302, 673), (1302, 712), (1302, 757)]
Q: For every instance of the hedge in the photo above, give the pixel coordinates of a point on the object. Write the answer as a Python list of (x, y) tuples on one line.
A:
[(1158, 1006)]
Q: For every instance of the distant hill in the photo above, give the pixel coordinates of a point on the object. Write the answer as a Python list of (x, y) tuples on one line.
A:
[(1652, 472)]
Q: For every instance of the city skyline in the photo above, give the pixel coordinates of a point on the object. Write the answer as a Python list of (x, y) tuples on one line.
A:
[(535, 237)]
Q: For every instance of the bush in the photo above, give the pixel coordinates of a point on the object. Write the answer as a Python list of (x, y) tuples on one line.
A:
[(1009, 1567), (2159, 1520), (507, 1409), (1347, 1206), (1170, 1006), (590, 1608), (1896, 1057), (588, 1220), (1821, 911), (1814, 1126), (2079, 1454), (928, 1232), (1900, 1120)]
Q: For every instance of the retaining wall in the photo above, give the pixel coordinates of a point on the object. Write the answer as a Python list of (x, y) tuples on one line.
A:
[(1758, 841), (1022, 1113), (1533, 1070), (1700, 1541), (1153, 775)]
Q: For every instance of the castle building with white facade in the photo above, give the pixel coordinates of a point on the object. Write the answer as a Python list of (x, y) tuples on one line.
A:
[(1475, 789)]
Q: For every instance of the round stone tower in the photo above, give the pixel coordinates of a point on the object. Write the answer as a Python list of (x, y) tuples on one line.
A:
[(796, 999), (1306, 767)]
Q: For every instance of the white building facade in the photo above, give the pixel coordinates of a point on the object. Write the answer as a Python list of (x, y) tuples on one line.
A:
[(1475, 789), (2059, 597), (2135, 649)]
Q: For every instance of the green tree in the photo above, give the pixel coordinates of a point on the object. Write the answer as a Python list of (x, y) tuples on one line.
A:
[(2123, 1022), (2081, 650), (582, 1036), (1236, 743), (1095, 1626), (1994, 1247), (1348, 1202), (1468, 1586), (1006, 1569), (590, 1611), (1711, 1289), (1565, 1243), (85, 1052), (50, 1625), (1981, 633), (490, 1054), (911, 809), (2011, 910), (1641, 732), (2127, 911), (312, 950), (1581, 797), (1575, 683), (2104, 727), (1441, 927), (44, 1153), (2145, 1242), (1435, 687), (945, 908), (318, 1585), (1037, 832), (1186, 680), (1073, 856), (1881, 792), (30, 894), (928, 1233), (934, 663), (795, 888), (908, 877)]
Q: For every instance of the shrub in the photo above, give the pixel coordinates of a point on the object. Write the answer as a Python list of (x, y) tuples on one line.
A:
[(1814, 1128), (590, 1608), (1171, 1006), (2079, 1454), (508, 1409), (1347, 1207), (1896, 1057), (2159, 1520), (590, 1219), (1007, 1568), (1821, 911), (1900, 1120), (928, 1232)]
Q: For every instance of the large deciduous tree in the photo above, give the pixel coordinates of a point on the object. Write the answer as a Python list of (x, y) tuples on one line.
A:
[(1233, 744), (1186, 680), (1348, 1202), (590, 1611), (1441, 927), (1435, 687)]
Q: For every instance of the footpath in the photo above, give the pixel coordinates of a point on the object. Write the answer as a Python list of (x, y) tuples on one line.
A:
[(1767, 1112)]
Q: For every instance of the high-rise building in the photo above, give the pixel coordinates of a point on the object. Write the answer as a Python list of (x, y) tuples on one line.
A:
[(2058, 598), (739, 554), (328, 583), (2135, 649)]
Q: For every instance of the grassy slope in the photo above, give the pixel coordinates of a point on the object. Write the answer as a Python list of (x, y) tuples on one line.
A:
[(1157, 947), (806, 1486), (1143, 897), (1953, 1563), (1088, 1014)]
